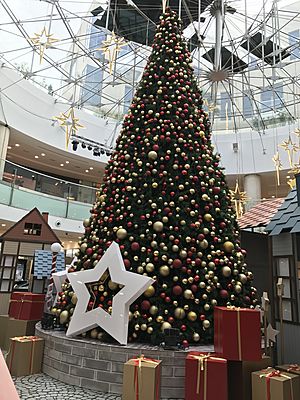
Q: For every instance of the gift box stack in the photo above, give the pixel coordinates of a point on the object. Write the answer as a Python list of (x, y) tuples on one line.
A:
[(25, 310), (226, 374)]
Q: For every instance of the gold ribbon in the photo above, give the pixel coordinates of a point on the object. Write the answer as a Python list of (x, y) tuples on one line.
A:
[(202, 366), (238, 309)]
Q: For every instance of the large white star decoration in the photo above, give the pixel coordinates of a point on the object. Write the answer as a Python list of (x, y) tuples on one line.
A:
[(70, 123), (116, 323), (43, 40), (59, 278), (111, 48), (271, 333)]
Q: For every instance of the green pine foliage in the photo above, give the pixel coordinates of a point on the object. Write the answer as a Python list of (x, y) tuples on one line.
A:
[(165, 201)]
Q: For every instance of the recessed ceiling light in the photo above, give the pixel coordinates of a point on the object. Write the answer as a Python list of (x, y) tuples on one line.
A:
[(43, 154), (288, 176), (36, 156), (67, 162), (17, 145), (61, 165), (70, 241), (273, 197), (91, 168), (3, 224), (87, 170), (9, 147)]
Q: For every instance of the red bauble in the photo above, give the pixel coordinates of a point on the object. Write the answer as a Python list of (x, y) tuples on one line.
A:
[(145, 305), (185, 344), (183, 328), (135, 246), (127, 263), (223, 294), (177, 262), (177, 290), (89, 251)]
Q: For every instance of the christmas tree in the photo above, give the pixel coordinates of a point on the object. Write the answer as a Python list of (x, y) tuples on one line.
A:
[(165, 201)]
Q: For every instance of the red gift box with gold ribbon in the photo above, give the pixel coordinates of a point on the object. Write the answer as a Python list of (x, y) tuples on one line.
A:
[(141, 379), (202, 371), (25, 355), (237, 333), (26, 306)]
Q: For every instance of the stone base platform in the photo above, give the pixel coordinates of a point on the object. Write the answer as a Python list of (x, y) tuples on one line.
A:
[(99, 366)]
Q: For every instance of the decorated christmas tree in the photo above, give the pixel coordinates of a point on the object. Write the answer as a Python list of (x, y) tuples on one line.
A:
[(165, 201)]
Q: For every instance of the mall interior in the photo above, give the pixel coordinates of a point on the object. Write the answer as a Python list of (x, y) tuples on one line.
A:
[(149, 199)]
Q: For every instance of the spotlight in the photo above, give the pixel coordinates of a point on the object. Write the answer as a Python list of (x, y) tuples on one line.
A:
[(75, 145), (108, 153), (90, 148), (96, 152), (83, 145), (102, 151)]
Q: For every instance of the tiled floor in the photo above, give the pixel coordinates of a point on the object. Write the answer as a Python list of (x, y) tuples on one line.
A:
[(42, 387)]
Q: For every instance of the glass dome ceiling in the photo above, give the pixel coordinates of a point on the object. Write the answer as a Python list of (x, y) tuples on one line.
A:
[(246, 54)]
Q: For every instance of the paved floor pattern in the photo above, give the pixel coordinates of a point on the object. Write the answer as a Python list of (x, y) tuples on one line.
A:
[(43, 387)]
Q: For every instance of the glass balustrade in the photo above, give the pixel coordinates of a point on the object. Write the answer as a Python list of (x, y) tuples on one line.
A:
[(25, 188)]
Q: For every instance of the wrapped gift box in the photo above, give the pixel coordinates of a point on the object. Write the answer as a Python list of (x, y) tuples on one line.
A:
[(291, 368), (3, 328), (239, 377), (26, 306), (25, 355), (271, 384), (237, 334), (141, 379), (18, 327), (205, 377)]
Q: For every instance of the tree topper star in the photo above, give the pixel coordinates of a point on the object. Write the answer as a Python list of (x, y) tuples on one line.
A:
[(116, 323), (43, 40), (239, 199), (111, 48), (70, 123)]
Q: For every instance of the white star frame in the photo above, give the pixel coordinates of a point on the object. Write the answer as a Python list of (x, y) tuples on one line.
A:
[(116, 323)]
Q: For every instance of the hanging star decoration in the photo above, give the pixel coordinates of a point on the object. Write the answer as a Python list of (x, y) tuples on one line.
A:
[(43, 41), (70, 123), (111, 48), (116, 322), (239, 199), (297, 132), (278, 166), (210, 106), (271, 334), (291, 148)]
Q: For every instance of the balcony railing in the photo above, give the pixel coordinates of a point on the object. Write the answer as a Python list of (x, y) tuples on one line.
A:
[(24, 188)]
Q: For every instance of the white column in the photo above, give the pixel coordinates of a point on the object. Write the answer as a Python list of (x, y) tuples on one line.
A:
[(4, 138), (252, 187)]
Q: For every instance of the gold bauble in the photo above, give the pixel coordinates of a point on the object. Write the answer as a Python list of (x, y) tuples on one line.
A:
[(83, 247), (149, 292), (164, 270), (165, 325), (158, 226), (153, 310), (94, 333), (179, 313), (192, 316), (64, 316), (188, 294), (207, 217), (86, 223), (150, 330), (204, 244), (206, 324), (228, 246), (121, 233), (196, 337), (140, 270), (137, 327), (238, 288), (226, 271), (152, 155), (149, 267), (143, 327), (112, 285), (183, 254), (53, 310), (243, 278), (130, 315), (159, 319), (206, 307)]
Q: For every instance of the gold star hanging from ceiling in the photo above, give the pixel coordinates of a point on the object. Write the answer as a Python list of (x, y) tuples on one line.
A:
[(70, 123), (211, 106), (239, 199), (111, 48), (291, 148), (278, 166), (297, 132), (43, 40)]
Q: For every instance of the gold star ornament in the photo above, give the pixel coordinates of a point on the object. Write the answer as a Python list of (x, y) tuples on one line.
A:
[(278, 166), (291, 148), (239, 199), (70, 123), (43, 41), (111, 48)]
